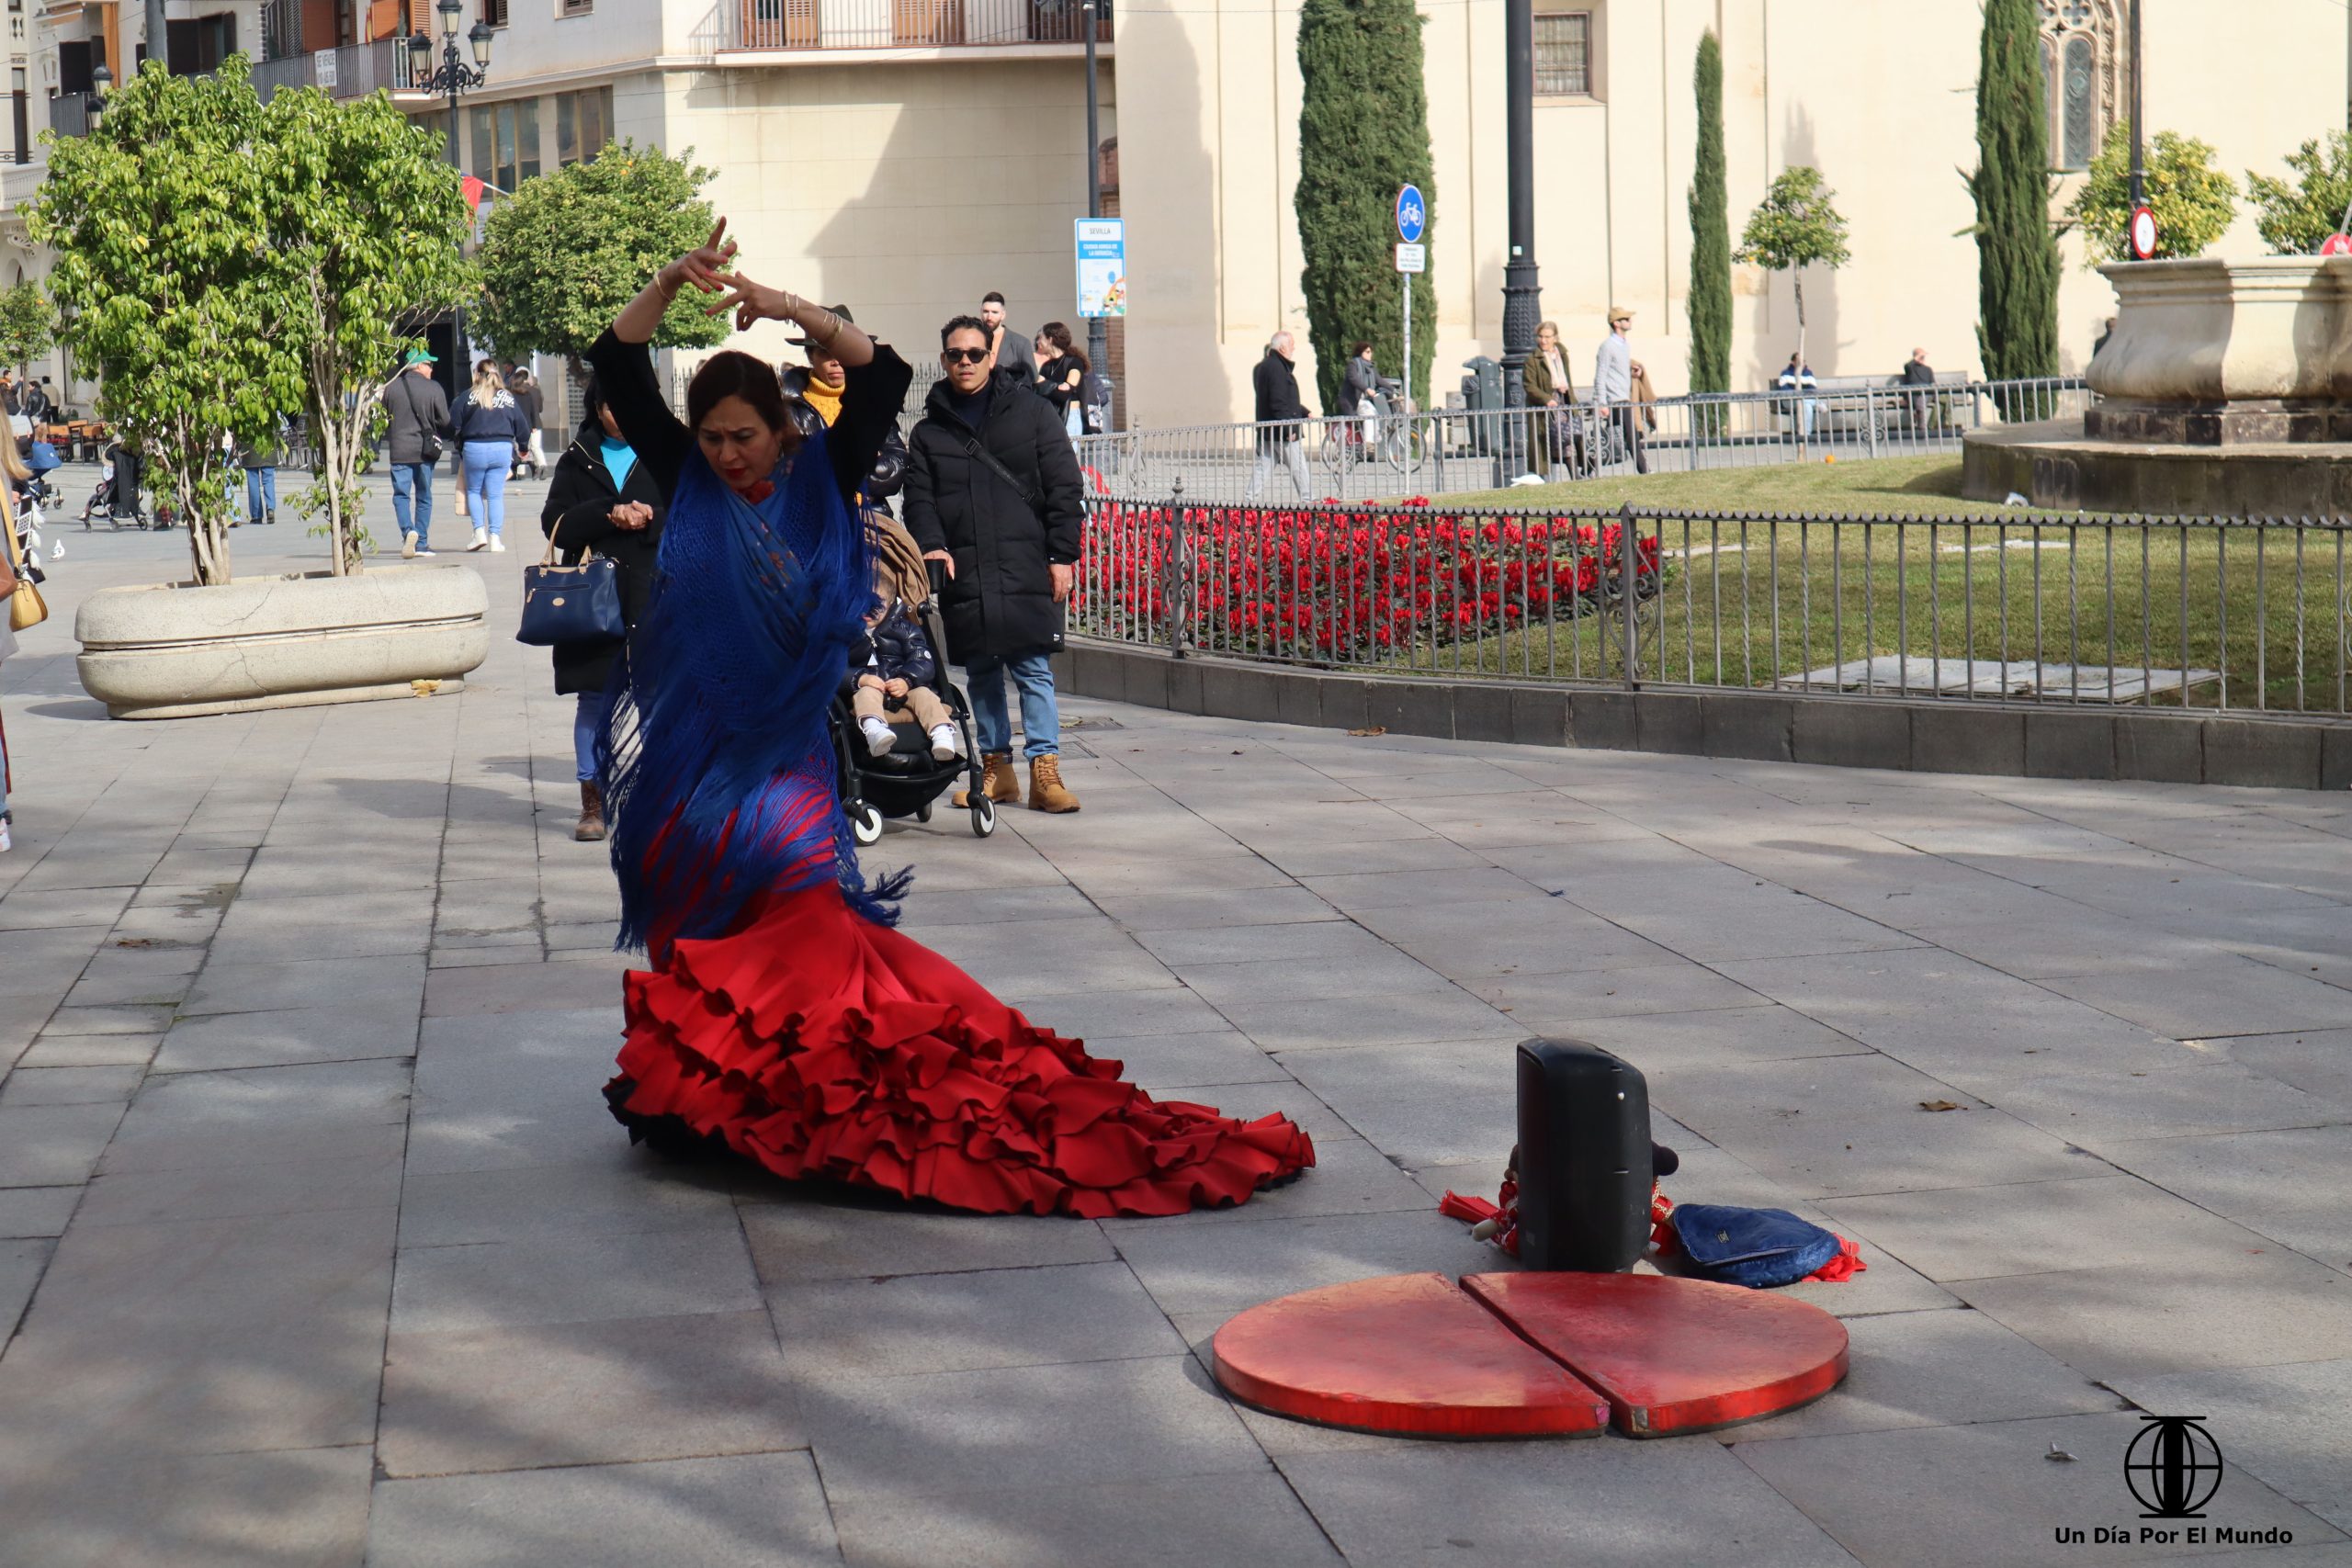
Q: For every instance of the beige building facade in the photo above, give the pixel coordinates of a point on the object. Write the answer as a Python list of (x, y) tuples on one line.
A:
[(903, 157)]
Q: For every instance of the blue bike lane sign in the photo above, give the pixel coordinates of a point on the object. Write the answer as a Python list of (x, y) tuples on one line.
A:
[(1412, 215)]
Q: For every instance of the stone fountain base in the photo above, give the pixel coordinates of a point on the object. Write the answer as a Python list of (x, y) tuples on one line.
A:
[(2225, 390), (2056, 465)]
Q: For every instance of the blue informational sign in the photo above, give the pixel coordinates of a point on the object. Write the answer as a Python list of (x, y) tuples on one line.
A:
[(1412, 215), (1102, 266)]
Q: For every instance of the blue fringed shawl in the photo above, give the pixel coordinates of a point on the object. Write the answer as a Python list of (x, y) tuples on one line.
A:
[(718, 777)]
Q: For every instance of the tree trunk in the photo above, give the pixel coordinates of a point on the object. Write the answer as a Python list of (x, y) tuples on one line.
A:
[(1798, 275)]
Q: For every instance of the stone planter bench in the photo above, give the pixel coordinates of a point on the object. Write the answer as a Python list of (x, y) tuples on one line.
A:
[(172, 651)]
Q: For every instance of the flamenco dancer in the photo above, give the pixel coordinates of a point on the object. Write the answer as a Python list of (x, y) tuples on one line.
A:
[(782, 1016)]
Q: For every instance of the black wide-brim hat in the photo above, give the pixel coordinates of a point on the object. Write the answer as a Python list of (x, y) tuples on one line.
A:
[(802, 339)]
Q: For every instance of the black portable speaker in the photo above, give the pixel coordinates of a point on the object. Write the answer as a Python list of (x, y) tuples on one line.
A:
[(1584, 1159)]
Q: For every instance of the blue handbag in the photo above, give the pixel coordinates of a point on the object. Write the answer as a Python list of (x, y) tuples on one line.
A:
[(1760, 1248), (572, 604)]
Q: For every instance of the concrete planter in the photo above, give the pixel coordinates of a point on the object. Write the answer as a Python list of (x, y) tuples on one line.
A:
[(2212, 352), (176, 651)]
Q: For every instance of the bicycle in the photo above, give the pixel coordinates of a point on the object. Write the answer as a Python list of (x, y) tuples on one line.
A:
[(1397, 438)]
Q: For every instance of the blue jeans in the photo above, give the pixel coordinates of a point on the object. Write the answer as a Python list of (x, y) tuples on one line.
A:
[(417, 477), (587, 723), (1041, 720), (261, 494), (486, 463)]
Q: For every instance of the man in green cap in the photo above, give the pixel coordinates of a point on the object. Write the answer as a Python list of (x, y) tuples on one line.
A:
[(420, 416)]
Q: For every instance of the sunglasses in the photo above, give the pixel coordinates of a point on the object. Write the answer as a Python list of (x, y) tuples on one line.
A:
[(963, 355)]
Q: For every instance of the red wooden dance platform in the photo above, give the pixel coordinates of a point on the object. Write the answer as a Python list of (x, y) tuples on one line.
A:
[(1530, 1355)]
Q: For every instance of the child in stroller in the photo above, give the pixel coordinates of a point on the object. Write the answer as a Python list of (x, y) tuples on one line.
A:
[(889, 767), (899, 669)]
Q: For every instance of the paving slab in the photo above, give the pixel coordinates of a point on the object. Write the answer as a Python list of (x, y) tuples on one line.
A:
[(971, 1321), (747, 1511), (1987, 1492), (304, 1507)]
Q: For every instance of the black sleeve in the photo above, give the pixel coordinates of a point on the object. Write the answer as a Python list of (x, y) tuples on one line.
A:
[(870, 405), (918, 667), (1065, 490), (624, 377), (921, 511)]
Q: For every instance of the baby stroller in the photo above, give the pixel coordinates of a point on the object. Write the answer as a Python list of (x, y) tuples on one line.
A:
[(116, 497), (907, 781)]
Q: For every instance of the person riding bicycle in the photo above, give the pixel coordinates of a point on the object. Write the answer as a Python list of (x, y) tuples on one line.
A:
[(1360, 391)]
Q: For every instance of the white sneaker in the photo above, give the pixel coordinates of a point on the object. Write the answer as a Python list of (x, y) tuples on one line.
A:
[(481, 539), (497, 545), (408, 546), (878, 738), (6, 843), (946, 742), (424, 555)]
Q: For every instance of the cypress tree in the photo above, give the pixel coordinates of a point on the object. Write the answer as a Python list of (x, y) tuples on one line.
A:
[(2017, 255), (1364, 132), (1710, 301)]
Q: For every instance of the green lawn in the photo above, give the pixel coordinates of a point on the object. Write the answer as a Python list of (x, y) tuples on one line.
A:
[(1916, 485), (1744, 605)]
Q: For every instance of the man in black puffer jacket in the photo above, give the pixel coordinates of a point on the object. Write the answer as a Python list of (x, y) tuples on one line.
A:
[(1009, 531)]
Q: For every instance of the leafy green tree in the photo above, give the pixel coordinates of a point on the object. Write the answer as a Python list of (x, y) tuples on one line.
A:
[(1709, 204), (1795, 226), (364, 224), (2193, 201), (1363, 134), (561, 257), (2295, 217), (2017, 254), (27, 324), (162, 226)]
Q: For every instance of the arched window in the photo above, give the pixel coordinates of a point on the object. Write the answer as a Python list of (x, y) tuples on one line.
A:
[(2082, 69)]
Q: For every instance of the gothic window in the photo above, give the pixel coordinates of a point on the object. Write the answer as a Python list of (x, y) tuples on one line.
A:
[(2082, 60)]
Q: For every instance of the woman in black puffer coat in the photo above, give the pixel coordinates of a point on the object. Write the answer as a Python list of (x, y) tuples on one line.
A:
[(603, 502)]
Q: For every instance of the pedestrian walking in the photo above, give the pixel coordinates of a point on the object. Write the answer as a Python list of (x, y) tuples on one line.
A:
[(1279, 413), (491, 436), (1061, 375), (813, 395), (781, 1018), (259, 459), (532, 401), (419, 411), (1545, 378), (605, 502), (993, 490), (1612, 387), (1797, 376), (1012, 349), (14, 567)]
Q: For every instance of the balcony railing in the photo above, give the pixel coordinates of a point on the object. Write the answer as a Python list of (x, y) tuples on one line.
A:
[(904, 24), (352, 71), (69, 113)]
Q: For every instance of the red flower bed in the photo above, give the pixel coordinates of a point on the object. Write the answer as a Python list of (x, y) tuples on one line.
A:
[(1343, 585)]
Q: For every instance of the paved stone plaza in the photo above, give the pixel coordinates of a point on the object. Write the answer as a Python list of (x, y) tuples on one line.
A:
[(326, 1251)]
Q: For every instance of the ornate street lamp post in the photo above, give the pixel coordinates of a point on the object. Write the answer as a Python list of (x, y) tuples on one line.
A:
[(450, 78), (1098, 331), (1522, 295), (101, 83)]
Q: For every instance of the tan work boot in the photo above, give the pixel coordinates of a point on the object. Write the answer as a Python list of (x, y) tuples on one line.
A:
[(1046, 791), (591, 827), (1000, 782)]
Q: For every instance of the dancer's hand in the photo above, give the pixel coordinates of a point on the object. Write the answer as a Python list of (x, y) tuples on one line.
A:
[(753, 301), (702, 266)]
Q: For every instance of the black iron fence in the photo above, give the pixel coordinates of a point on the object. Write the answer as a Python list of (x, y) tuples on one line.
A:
[(2203, 612)]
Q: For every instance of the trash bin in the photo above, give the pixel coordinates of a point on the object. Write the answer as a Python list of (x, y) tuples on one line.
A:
[(1482, 394)]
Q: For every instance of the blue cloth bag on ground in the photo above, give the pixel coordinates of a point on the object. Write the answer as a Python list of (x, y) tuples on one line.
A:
[(1760, 1248)]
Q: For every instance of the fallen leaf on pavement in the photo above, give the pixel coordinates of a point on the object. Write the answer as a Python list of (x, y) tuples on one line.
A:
[(1941, 1105), (1375, 729)]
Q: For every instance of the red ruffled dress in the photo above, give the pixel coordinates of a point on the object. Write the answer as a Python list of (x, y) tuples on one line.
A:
[(822, 1045)]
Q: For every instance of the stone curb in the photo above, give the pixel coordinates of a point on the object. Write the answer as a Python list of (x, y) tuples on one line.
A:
[(2016, 740)]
